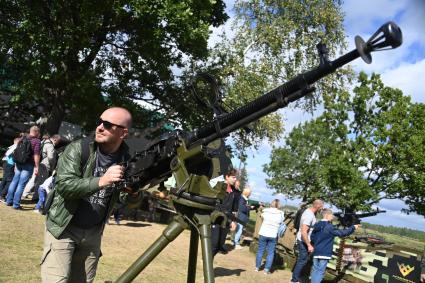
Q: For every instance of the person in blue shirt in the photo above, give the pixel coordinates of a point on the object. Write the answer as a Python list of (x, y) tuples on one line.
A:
[(243, 215), (322, 238)]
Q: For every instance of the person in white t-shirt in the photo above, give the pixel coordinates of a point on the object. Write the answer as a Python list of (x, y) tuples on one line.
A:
[(272, 218), (308, 219)]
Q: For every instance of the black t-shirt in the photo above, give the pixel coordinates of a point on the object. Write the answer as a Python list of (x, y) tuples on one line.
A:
[(230, 201), (92, 210)]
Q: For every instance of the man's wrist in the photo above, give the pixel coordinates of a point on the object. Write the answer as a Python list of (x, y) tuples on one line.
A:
[(102, 183)]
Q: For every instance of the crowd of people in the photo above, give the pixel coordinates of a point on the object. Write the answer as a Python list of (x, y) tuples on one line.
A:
[(316, 239), (84, 197), (27, 164)]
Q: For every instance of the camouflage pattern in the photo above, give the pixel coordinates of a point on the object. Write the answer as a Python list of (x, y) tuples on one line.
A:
[(355, 262)]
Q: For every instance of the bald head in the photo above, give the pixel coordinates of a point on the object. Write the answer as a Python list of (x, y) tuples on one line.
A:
[(112, 128), (118, 115), (318, 205)]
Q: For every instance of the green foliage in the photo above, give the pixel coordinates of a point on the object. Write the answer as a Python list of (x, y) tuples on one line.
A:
[(75, 58), (243, 178), (404, 232), (362, 149), (72, 56), (274, 41)]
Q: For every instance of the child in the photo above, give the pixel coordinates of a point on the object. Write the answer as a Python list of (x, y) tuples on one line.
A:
[(322, 238), (43, 191)]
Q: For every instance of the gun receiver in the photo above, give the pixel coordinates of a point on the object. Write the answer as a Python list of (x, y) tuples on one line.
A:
[(153, 164), (350, 218)]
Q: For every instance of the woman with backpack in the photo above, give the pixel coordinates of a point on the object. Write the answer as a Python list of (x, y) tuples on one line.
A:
[(272, 219)]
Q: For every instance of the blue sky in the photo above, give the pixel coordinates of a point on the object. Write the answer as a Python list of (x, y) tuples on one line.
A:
[(402, 68)]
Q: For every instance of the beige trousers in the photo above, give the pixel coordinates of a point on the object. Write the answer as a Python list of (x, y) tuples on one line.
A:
[(28, 186), (73, 257)]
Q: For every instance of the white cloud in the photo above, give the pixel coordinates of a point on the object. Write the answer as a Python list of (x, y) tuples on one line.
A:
[(295, 116), (251, 169), (225, 29), (409, 78), (265, 146), (361, 15), (413, 21), (218, 32), (392, 204)]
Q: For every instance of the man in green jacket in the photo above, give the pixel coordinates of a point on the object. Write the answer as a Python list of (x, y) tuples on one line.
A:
[(83, 200)]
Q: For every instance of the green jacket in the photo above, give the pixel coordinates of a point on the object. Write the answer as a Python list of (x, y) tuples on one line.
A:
[(72, 184)]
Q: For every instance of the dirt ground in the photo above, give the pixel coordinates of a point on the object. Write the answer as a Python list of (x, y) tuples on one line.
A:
[(21, 242), (171, 264)]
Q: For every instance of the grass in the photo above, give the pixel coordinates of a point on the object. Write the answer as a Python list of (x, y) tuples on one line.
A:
[(20, 246), (396, 239), (21, 240)]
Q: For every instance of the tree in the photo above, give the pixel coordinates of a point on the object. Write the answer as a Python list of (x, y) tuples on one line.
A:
[(411, 160), (76, 57), (274, 41), (243, 178), (363, 148)]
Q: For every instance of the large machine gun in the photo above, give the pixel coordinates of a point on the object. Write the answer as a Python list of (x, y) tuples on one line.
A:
[(195, 158), (158, 161), (349, 218)]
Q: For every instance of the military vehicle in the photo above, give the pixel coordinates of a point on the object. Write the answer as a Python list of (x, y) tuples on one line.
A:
[(359, 258)]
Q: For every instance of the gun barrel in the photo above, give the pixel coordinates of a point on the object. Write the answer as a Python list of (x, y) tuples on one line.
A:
[(277, 98), (387, 36), (368, 214)]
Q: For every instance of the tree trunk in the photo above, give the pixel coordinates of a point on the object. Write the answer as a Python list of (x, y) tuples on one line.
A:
[(55, 117)]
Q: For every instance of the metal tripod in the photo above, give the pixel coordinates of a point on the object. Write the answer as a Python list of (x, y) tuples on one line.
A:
[(190, 214)]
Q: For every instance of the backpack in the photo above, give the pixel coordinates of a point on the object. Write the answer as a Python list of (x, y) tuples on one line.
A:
[(282, 229), (23, 151), (85, 153), (43, 155), (297, 218)]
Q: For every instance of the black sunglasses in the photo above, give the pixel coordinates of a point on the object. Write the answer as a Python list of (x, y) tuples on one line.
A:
[(107, 125)]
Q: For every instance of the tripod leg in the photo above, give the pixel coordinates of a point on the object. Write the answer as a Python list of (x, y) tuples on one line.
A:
[(205, 233), (168, 235), (193, 254)]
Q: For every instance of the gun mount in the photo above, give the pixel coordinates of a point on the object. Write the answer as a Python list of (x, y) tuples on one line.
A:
[(194, 158)]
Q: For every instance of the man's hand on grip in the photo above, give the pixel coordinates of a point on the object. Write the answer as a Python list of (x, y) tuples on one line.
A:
[(114, 174)]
